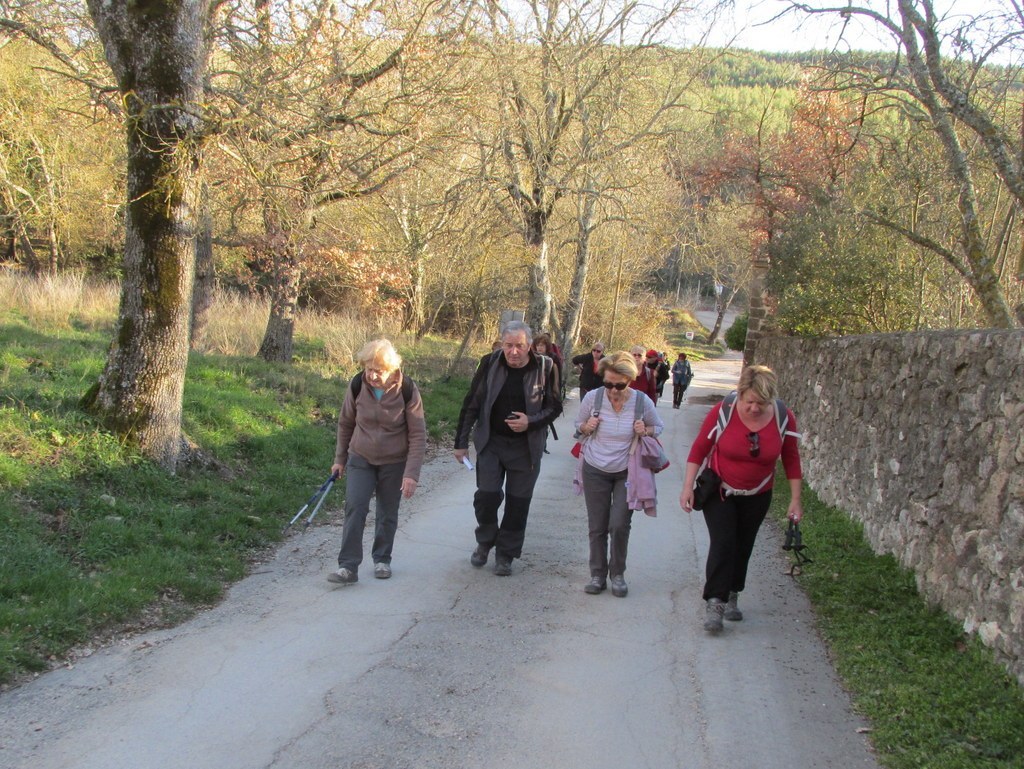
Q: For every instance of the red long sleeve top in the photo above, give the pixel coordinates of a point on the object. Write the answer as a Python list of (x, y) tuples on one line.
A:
[(732, 460)]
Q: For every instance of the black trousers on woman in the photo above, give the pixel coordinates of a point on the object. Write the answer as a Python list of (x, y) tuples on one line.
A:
[(732, 523)]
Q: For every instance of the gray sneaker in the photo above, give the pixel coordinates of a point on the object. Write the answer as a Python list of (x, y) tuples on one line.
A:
[(595, 586), (343, 576), (619, 588), (732, 611), (382, 570), (502, 566), (479, 556), (713, 615)]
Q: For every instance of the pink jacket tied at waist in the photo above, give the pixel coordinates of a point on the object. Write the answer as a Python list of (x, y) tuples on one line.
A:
[(641, 490)]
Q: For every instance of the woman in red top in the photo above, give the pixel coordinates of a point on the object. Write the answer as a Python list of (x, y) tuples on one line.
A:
[(744, 457), (646, 378)]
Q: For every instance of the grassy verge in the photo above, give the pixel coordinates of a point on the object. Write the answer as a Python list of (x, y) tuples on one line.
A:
[(94, 539), (934, 697), (696, 349)]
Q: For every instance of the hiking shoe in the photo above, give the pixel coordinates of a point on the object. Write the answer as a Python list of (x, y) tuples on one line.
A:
[(343, 576), (479, 556), (732, 611), (595, 586), (382, 570), (502, 566), (619, 588), (713, 615)]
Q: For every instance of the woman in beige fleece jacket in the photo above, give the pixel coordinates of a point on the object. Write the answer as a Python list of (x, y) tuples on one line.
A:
[(382, 438)]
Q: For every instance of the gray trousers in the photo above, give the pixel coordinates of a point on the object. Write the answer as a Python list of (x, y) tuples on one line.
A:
[(609, 518), (504, 471), (362, 481)]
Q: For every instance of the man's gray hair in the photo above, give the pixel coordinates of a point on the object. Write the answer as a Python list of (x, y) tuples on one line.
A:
[(516, 327)]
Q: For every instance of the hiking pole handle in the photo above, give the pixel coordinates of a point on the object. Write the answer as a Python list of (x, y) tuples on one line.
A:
[(326, 488), (326, 485)]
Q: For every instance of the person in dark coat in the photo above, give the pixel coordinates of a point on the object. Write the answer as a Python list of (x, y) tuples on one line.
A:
[(587, 366), (510, 404)]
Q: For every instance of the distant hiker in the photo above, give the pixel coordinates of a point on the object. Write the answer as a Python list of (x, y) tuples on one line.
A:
[(587, 365), (646, 378), (511, 401), (382, 438), (741, 438), (609, 421), (661, 371), (542, 345), (682, 373)]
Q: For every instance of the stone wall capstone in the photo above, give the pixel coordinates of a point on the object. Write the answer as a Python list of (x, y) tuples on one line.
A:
[(920, 436)]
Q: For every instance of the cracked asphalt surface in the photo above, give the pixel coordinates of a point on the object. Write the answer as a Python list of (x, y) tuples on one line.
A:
[(445, 665)]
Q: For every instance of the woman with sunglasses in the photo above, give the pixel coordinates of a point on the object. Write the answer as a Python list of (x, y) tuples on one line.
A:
[(608, 429), (744, 456)]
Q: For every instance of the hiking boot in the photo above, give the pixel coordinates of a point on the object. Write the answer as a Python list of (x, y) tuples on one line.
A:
[(732, 611), (343, 576), (479, 556), (713, 615), (595, 586), (382, 570), (619, 588), (502, 566)]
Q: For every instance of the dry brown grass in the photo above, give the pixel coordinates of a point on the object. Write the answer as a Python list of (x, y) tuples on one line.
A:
[(57, 301), (236, 322)]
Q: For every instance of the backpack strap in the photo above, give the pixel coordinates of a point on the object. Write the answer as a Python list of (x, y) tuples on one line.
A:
[(782, 420), (598, 400), (638, 408), (724, 415), (356, 385)]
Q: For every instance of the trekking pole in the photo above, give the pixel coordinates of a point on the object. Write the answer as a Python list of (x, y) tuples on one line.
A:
[(322, 494)]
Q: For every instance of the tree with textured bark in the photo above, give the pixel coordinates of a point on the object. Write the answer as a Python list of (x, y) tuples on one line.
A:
[(158, 54), (964, 102)]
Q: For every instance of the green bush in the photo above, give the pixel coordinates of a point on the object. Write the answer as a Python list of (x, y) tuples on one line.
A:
[(736, 336)]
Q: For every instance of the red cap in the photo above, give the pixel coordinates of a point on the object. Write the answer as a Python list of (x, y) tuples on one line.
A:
[(652, 353)]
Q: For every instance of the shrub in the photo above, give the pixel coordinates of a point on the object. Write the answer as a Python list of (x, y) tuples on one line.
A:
[(736, 336)]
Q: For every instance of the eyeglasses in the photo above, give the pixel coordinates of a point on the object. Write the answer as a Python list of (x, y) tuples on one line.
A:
[(615, 385), (755, 443), (596, 349)]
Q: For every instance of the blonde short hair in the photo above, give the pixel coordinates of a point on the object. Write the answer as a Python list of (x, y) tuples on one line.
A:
[(620, 362), (761, 381), (381, 354)]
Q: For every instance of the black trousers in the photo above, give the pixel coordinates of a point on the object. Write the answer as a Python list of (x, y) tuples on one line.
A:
[(504, 471), (732, 523)]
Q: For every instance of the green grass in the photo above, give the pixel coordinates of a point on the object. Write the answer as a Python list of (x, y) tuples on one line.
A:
[(681, 321), (94, 538), (934, 697)]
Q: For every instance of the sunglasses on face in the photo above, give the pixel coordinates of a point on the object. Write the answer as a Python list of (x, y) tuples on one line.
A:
[(616, 385), (755, 444)]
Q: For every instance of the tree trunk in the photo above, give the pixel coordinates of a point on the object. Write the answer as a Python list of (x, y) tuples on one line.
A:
[(278, 339), (204, 290), (158, 52), (538, 311), (572, 320)]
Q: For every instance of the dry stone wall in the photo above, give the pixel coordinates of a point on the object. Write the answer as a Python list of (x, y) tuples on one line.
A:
[(920, 436)]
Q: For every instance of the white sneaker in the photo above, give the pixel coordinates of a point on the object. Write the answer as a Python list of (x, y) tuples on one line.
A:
[(382, 570), (343, 576)]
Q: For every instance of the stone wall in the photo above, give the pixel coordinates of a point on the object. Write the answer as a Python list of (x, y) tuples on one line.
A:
[(920, 436)]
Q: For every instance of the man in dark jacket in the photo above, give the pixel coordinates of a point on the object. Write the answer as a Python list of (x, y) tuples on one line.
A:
[(587, 364), (511, 401)]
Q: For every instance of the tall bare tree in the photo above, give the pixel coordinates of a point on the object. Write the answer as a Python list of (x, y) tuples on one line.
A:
[(553, 60)]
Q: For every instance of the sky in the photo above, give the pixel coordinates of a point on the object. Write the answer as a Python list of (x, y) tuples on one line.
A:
[(799, 32)]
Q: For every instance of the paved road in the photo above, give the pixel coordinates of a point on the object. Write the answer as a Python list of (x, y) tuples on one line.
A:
[(448, 666)]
